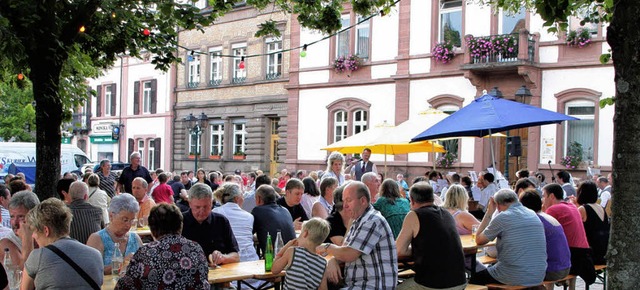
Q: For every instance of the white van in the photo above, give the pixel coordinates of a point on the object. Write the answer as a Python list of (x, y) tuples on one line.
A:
[(71, 157)]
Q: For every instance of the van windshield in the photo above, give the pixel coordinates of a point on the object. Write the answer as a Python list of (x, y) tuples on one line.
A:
[(81, 160)]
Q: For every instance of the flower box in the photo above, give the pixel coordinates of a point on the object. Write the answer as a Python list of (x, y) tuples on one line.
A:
[(239, 157), (192, 156), (215, 157)]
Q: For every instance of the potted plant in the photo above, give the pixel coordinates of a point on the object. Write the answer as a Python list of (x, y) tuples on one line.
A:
[(443, 52), (192, 155), (446, 160), (580, 37), (239, 155), (574, 156), (346, 63), (491, 48), (215, 156)]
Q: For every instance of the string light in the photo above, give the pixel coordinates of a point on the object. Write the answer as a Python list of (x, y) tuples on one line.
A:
[(303, 53), (82, 29), (113, 15), (302, 48), (146, 32), (241, 64), (20, 76)]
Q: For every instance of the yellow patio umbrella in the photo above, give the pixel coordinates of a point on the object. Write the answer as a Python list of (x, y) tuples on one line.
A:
[(380, 140)]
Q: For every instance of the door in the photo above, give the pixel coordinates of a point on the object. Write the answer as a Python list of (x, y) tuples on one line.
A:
[(274, 157)]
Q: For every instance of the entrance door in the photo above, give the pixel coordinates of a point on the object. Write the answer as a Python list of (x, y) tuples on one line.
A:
[(515, 163), (274, 157)]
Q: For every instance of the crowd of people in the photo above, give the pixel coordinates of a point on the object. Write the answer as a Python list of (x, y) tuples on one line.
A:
[(363, 223)]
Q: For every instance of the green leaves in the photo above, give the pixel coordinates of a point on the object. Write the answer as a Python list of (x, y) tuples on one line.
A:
[(610, 101)]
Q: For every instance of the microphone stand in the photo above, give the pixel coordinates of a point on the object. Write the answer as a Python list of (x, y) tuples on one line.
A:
[(553, 175)]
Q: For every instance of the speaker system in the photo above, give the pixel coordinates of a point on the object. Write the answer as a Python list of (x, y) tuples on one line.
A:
[(514, 145)]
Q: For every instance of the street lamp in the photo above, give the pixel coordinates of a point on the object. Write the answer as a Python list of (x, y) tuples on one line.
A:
[(522, 95), (196, 126)]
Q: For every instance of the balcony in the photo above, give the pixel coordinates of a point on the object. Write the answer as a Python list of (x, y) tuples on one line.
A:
[(502, 52), (273, 76), (80, 124), (215, 82), (238, 80), (193, 85)]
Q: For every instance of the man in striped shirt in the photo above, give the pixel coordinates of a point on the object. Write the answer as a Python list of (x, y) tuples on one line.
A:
[(369, 249), (522, 250), (87, 219)]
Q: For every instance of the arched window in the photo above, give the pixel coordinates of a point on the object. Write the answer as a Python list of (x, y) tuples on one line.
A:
[(583, 133), (448, 104), (347, 117)]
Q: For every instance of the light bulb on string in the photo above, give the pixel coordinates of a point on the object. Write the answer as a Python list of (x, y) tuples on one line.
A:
[(20, 76), (113, 15), (82, 29), (146, 32), (241, 64), (303, 53)]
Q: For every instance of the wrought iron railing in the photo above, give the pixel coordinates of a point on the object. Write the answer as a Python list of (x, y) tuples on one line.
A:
[(502, 48), (193, 84), (215, 83), (273, 76), (238, 80)]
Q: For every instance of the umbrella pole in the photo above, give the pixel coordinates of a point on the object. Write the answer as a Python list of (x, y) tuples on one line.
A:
[(385, 162), (493, 158)]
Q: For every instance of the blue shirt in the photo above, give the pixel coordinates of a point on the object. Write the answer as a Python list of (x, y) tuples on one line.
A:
[(522, 250)]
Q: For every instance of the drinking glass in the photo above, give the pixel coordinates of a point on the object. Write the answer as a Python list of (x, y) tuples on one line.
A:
[(474, 231), (142, 222)]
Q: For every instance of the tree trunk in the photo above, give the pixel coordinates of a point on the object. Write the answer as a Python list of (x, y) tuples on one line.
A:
[(46, 79), (624, 38)]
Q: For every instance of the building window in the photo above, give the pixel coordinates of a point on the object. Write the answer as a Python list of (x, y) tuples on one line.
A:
[(146, 97), (583, 104), (347, 117), (141, 150), (340, 125), (359, 121), (201, 4), (343, 39), (239, 74), (274, 58), (513, 23), (194, 144), (108, 101), (582, 13), (193, 64), (217, 139), (152, 156), (215, 78), (580, 131), (451, 22), (362, 38), (239, 138)]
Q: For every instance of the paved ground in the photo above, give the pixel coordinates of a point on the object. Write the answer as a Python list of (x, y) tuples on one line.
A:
[(580, 285)]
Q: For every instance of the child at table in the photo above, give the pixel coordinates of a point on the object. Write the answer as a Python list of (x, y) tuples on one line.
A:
[(305, 269)]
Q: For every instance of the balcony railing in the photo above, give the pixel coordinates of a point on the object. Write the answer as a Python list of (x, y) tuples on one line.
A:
[(500, 49), (238, 80), (193, 84), (215, 83), (273, 76)]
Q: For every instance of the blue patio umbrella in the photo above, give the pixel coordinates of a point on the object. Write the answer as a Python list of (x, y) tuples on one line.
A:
[(487, 115)]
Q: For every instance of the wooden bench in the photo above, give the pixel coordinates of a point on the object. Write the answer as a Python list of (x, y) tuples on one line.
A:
[(406, 274), (487, 260), (601, 273), (475, 287), (512, 287), (565, 281)]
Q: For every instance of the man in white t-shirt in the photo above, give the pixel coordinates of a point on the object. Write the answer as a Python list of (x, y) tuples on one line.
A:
[(605, 190)]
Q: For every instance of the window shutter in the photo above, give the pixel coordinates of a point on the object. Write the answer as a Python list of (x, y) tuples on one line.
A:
[(154, 98), (99, 101), (158, 153), (113, 99), (136, 98), (130, 149), (88, 112)]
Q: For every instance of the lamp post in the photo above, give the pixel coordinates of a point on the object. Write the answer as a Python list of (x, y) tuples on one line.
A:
[(196, 126), (522, 94)]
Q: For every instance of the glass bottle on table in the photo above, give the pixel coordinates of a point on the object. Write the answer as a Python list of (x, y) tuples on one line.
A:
[(116, 262), (10, 269), (268, 255), (279, 244)]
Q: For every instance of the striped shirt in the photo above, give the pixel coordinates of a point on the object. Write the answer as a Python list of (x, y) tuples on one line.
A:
[(377, 266), (107, 183), (87, 220), (306, 270), (522, 249)]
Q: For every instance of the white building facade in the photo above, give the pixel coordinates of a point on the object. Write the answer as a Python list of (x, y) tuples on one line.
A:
[(137, 99), (399, 77)]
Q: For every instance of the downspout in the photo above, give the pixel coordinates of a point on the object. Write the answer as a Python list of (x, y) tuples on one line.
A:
[(174, 113), (120, 105)]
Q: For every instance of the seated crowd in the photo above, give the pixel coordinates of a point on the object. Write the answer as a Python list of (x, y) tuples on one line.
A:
[(355, 228)]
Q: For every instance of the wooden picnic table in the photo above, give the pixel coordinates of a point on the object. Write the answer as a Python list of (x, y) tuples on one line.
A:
[(143, 232), (241, 271)]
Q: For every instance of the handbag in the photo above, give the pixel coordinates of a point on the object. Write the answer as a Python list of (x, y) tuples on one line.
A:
[(75, 266)]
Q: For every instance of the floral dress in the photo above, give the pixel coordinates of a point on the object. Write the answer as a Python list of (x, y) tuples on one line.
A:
[(154, 266)]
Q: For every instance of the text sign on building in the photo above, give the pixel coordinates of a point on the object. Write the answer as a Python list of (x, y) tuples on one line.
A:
[(102, 128), (102, 139)]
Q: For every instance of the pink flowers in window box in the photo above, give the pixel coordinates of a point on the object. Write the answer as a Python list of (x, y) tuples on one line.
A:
[(580, 37), (347, 63), (443, 52)]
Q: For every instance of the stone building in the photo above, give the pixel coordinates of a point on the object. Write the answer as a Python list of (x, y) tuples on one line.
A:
[(238, 81)]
